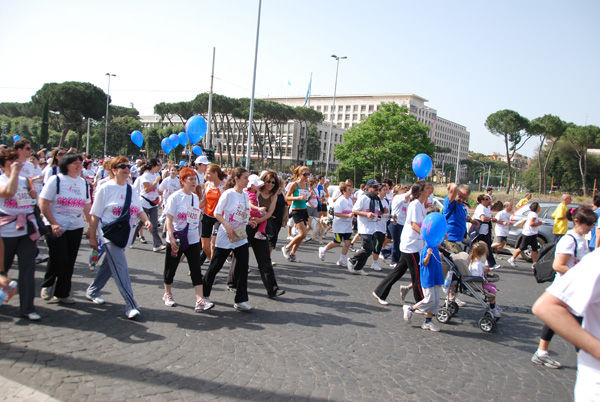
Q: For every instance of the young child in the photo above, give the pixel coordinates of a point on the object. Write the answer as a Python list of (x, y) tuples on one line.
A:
[(502, 225), (254, 182), (432, 278), (476, 267)]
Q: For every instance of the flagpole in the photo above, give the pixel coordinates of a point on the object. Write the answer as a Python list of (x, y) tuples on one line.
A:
[(251, 117)]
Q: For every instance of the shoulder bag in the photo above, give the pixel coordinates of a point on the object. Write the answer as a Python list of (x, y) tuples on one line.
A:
[(118, 230)]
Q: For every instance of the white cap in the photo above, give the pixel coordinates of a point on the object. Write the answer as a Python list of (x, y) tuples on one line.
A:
[(255, 180), (202, 160)]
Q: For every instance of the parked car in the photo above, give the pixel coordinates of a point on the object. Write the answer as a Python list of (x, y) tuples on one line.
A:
[(544, 231)]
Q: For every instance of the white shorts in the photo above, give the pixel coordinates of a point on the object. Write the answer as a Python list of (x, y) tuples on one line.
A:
[(431, 300)]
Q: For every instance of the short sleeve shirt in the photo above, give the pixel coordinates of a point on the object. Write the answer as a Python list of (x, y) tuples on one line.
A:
[(343, 205), (432, 274), (560, 225), (235, 209), (410, 240), (67, 205), (181, 207)]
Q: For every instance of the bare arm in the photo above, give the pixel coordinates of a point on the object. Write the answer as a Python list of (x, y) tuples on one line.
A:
[(10, 188), (560, 263), (556, 315), (452, 192)]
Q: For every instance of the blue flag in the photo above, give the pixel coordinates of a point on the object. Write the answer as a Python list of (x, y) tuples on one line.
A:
[(308, 91)]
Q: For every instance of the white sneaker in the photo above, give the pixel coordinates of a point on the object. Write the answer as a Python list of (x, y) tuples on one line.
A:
[(361, 272), (159, 248), (243, 306), (133, 313), (33, 316), (495, 312), (460, 303), (350, 266), (168, 299), (290, 238), (322, 253), (532, 267), (407, 313), (404, 291), (497, 266), (380, 300), (381, 257), (286, 253), (341, 263), (430, 326), (512, 262), (46, 293), (95, 300), (375, 266)]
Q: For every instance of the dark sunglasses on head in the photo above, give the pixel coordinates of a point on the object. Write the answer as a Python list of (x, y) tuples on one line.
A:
[(305, 174), (123, 166)]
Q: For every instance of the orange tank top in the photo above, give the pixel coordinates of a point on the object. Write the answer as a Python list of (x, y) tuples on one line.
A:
[(212, 198)]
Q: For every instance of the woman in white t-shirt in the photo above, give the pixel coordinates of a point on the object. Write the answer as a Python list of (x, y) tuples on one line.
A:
[(233, 213), (342, 224), (168, 186), (570, 249), (149, 196), (52, 167), (399, 207), (502, 227), (65, 202), (183, 215), (18, 229), (107, 207), (529, 235), (410, 247), (483, 214)]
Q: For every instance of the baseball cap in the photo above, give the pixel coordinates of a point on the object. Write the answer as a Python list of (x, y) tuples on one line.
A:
[(372, 183), (202, 160), (255, 180)]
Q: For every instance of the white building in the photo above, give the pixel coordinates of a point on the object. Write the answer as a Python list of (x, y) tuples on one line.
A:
[(352, 109)]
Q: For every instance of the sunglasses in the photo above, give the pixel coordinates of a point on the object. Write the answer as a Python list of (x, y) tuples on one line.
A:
[(123, 166), (60, 154), (27, 148), (270, 182), (305, 174)]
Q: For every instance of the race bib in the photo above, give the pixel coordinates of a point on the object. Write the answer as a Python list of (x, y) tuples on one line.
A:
[(23, 199), (193, 214)]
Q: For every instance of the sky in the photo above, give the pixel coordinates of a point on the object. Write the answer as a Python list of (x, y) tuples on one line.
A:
[(468, 58)]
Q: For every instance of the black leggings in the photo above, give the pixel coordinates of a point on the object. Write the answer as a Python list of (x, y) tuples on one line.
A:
[(265, 267), (408, 261), (241, 271), (63, 253), (192, 253)]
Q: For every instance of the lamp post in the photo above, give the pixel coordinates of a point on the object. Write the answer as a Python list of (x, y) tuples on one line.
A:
[(337, 58), (251, 117), (107, 101)]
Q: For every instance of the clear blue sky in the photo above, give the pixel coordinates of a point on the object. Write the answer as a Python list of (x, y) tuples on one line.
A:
[(468, 58)]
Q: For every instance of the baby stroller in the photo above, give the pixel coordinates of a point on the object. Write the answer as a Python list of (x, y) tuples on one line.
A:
[(465, 283)]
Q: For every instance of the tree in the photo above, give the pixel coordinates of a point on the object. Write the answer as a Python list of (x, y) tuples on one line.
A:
[(549, 129), (45, 125), (583, 138), (74, 101), (306, 117), (385, 142), (512, 128)]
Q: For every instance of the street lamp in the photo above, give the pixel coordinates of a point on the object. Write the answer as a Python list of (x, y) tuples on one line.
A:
[(337, 58), (107, 101)]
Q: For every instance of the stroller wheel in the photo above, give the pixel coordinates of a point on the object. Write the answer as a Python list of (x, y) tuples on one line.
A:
[(453, 308), (487, 324), (443, 315)]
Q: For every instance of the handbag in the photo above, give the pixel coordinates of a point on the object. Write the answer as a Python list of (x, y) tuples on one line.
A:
[(239, 233), (118, 230)]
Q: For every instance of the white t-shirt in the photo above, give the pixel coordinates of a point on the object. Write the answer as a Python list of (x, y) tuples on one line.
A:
[(502, 230), (67, 206), (27, 170), (476, 268), (200, 178), (49, 171), (343, 205), (566, 245), (529, 230), (365, 225), (484, 227), (579, 288), (180, 206), (108, 204), (429, 200), (381, 224), (89, 175), (149, 178), (20, 203), (410, 240), (399, 207), (235, 208), (313, 202), (168, 187), (37, 184)]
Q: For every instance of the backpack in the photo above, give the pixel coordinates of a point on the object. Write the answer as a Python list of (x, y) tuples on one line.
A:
[(543, 270)]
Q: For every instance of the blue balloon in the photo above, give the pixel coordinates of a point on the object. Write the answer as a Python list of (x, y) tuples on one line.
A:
[(166, 145), (174, 140), (183, 139), (182, 163), (195, 128), (16, 138), (421, 165), (434, 229), (197, 150), (137, 137)]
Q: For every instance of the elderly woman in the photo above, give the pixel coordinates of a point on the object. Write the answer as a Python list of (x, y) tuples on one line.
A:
[(109, 203), (183, 216), (18, 228), (65, 202)]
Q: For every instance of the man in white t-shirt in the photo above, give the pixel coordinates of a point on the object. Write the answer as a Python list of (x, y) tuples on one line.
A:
[(368, 208), (577, 292)]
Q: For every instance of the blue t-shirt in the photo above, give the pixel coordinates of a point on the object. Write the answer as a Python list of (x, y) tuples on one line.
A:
[(592, 243), (432, 274), (456, 218), (321, 189)]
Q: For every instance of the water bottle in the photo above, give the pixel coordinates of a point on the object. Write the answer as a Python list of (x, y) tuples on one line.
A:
[(174, 253), (4, 294), (94, 256), (447, 281)]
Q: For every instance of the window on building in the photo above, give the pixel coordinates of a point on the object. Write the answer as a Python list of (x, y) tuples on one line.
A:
[(335, 138), (340, 116), (347, 117), (347, 125), (362, 116), (340, 108), (355, 108), (326, 108), (354, 116), (318, 108), (363, 108), (371, 108), (378, 107), (347, 108)]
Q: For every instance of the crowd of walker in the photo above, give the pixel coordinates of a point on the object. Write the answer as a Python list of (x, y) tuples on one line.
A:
[(209, 215)]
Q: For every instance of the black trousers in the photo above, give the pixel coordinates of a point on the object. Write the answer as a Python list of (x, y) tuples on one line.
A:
[(62, 251), (265, 267), (24, 248), (192, 253), (487, 239), (241, 271), (361, 257), (407, 261)]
